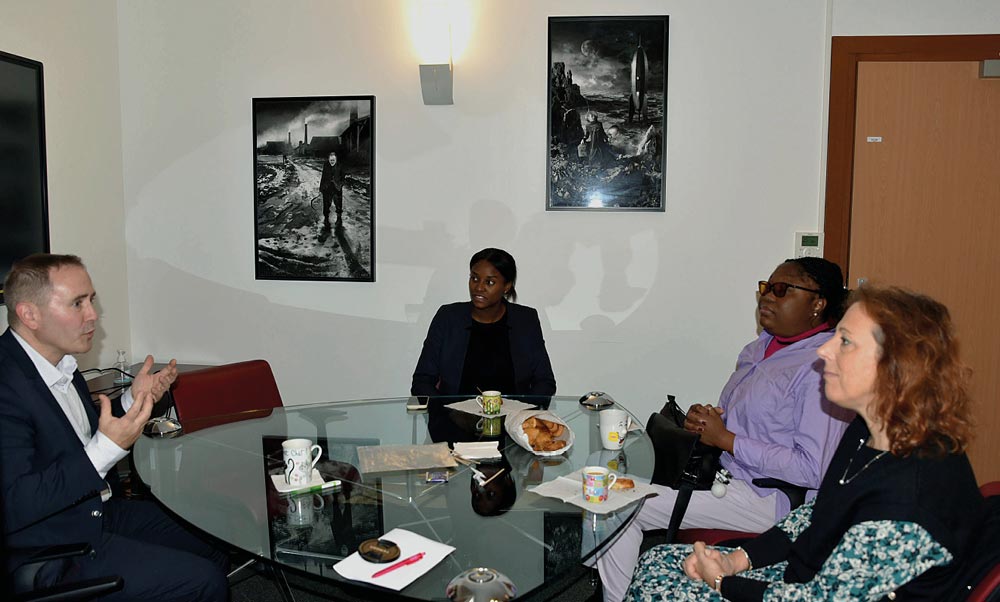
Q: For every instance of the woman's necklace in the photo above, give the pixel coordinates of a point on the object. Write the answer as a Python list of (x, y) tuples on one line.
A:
[(843, 478)]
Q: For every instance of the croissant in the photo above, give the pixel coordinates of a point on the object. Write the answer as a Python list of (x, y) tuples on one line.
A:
[(543, 434), (542, 438)]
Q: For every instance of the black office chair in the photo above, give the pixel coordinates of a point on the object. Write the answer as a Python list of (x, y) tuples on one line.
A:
[(29, 564), (978, 580), (678, 467)]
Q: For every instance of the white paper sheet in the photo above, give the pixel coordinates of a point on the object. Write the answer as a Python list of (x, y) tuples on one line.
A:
[(509, 406), (357, 568), (570, 490), (479, 450)]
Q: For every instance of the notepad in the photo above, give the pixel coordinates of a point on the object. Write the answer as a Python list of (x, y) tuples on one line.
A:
[(358, 569)]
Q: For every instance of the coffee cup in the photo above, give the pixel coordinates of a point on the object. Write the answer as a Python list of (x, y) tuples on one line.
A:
[(614, 427), (490, 402), (299, 459), (302, 508), (597, 482)]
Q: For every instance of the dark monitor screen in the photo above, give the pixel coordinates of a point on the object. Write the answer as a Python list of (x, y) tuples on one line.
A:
[(24, 219)]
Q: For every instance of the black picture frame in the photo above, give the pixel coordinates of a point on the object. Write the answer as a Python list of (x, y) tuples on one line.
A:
[(607, 113), (24, 206), (299, 233)]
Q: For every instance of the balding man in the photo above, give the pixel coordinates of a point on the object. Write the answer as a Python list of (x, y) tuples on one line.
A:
[(57, 452)]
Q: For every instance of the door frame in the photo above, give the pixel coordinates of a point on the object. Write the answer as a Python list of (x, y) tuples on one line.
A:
[(846, 53)]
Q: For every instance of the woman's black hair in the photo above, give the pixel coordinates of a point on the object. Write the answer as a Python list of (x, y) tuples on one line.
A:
[(830, 279), (503, 262)]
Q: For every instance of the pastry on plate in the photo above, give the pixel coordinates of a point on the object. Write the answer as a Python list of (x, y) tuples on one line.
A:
[(622, 484)]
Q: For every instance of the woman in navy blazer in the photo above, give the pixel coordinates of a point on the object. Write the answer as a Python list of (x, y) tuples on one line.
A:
[(488, 342)]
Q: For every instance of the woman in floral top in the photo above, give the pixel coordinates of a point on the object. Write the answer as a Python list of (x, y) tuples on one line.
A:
[(898, 506)]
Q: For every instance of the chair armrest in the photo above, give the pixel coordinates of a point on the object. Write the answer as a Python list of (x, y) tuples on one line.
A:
[(78, 590), (46, 553), (796, 494), (26, 563)]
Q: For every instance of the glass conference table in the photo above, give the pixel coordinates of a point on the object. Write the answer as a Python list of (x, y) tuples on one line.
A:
[(216, 476)]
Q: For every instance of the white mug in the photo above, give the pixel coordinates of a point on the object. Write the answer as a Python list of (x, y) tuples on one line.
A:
[(297, 455), (614, 427), (301, 508)]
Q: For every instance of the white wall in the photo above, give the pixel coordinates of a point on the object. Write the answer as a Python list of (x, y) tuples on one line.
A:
[(77, 44), (635, 304), (914, 17)]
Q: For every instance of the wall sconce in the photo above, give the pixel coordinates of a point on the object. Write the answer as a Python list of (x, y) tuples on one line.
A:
[(440, 30), (436, 83)]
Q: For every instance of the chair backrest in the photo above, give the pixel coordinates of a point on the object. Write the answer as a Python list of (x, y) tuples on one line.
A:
[(223, 391), (982, 570)]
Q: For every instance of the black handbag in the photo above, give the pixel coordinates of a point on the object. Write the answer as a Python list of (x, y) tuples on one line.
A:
[(680, 457)]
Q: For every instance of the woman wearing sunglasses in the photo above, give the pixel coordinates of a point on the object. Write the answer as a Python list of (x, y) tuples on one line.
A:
[(899, 505), (771, 419)]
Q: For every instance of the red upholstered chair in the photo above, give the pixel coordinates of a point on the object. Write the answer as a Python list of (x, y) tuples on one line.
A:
[(795, 494), (224, 394)]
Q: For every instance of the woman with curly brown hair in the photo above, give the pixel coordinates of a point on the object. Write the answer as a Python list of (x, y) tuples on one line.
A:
[(898, 506)]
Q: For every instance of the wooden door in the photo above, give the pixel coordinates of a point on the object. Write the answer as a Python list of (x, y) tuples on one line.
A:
[(925, 207)]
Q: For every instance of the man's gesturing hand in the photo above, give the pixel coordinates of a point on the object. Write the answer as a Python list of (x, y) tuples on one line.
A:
[(125, 430), (155, 384)]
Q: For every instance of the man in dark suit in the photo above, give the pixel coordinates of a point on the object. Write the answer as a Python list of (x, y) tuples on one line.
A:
[(331, 185), (57, 453)]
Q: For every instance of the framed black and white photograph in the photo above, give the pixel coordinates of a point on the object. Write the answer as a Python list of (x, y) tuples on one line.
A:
[(314, 193), (607, 119)]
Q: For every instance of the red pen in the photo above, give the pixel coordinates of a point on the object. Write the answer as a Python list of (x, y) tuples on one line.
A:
[(401, 563)]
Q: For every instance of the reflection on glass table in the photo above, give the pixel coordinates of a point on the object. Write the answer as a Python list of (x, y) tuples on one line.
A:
[(218, 477)]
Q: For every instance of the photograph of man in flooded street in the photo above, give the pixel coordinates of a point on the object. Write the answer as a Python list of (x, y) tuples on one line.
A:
[(314, 199), (607, 113)]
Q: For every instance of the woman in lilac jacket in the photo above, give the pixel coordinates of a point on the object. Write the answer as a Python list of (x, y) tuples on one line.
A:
[(771, 420)]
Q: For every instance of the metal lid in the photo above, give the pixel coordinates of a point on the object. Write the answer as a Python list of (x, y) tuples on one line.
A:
[(162, 427), (481, 585), (597, 400)]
